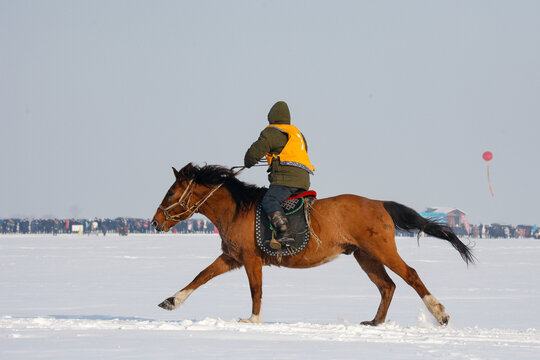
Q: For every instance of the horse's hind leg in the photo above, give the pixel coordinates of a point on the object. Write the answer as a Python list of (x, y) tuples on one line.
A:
[(376, 272), (395, 263), (221, 265)]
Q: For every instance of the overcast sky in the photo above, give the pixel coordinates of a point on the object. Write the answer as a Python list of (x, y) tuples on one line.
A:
[(397, 99)]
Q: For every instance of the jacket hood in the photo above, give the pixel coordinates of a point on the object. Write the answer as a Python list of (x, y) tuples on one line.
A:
[(279, 114)]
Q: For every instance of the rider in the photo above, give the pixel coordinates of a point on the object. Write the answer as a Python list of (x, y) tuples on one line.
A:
[(289, 168)]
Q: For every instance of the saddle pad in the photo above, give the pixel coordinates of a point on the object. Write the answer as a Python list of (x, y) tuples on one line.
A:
[(294, 209)]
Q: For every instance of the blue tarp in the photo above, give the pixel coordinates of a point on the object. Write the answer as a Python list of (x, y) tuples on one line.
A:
[(441, 217)]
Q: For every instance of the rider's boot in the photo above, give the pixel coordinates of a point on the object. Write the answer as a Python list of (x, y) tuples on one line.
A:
[(281, 224)]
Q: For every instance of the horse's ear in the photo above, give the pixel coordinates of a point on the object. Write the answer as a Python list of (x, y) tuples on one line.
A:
[(176, 173)]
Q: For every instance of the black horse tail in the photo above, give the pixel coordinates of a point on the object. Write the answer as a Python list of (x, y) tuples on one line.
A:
[(407, 219)]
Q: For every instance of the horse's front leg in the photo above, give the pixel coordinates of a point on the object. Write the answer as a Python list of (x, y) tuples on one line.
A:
[(221, 265), (253, 268)]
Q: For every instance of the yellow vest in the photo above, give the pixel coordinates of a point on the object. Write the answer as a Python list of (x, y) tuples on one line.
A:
[(294, 153)]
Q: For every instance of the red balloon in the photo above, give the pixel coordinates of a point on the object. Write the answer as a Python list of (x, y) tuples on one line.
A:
[(488, 155)]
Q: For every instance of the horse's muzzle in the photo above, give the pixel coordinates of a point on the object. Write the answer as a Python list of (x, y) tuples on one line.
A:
[(156, 225)]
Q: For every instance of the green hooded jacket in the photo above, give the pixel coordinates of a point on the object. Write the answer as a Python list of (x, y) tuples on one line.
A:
[(271, 140)]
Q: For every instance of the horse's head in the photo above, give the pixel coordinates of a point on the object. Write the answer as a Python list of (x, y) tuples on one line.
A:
[(179, 202)]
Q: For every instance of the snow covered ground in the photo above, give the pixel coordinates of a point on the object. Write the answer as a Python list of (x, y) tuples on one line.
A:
[(96, 297)]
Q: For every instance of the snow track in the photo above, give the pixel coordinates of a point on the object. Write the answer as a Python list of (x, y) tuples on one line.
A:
[(389, 332)]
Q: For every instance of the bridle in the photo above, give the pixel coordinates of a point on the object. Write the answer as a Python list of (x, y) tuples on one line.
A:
[(185, 199)]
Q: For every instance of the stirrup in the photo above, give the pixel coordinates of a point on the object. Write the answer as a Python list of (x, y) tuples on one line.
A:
[(277, 244), (274, 244)]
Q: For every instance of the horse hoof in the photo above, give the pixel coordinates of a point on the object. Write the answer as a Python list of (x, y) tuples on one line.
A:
[(168, 304), (369, 323), (444, 320), (253, 319)]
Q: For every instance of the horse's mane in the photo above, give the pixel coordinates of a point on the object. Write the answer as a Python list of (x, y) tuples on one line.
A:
[(244, 195)]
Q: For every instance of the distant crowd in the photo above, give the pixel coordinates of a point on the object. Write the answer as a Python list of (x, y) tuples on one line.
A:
[(122, 226), (490, 231), (125, 226)]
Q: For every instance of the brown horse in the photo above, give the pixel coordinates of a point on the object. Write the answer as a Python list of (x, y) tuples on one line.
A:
[(344, 224)]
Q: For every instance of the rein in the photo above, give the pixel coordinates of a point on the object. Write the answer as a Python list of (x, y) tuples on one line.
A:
[(185, 199)]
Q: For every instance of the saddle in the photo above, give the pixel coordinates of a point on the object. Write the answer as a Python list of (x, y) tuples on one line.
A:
[(297, 208)]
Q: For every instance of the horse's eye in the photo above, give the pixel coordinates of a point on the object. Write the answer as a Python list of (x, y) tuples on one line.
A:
[(170, 193)]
